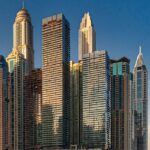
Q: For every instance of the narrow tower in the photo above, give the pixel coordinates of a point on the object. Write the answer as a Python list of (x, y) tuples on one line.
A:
[(140, 75), (4, 104), (23, 38), (87, 36), (20, 63), (120, 103)]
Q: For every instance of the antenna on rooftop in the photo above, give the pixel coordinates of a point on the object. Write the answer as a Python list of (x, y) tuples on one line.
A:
[(23, 4)]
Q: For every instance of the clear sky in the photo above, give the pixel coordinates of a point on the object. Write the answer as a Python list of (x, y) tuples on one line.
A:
[(121, 25)]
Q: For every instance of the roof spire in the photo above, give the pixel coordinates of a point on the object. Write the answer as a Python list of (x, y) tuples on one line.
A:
[(140, 49), (23, 4)]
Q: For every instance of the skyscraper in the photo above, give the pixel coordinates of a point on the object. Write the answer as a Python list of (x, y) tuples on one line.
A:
[(76, 106), (20, 62), (120, 103), (140, 76), (4, 104), (55, 82), (33, 110), (87, 36), (23, 38), (96, 122)]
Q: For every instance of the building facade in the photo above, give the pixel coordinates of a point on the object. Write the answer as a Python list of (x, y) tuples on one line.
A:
[(140, 76), (120, 104), (96, 119), (55, 82), (20, 62), (4, 104), (76, 103), (33, 110), (87, 36)]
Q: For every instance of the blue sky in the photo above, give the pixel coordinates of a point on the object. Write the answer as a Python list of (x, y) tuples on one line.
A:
[(121, 25)]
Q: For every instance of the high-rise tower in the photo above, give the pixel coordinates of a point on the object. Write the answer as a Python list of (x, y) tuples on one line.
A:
[(96, 123), (4, 105), (76, 103), (32, 110), (140, 76), (120, 104), (23, 38), (20, 62), (87, 37), (55, 82)]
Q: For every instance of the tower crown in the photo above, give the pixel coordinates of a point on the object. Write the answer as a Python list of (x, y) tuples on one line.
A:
[(139, 60), (23, 15), (86, 21)]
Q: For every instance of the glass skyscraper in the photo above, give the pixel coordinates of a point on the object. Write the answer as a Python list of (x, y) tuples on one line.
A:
[(33, 110), (55, 82), (140, 75), (4, 105), (76, 103), (96, 121), (121, 101)]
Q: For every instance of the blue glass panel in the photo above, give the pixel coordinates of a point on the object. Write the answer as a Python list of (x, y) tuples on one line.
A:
[(120, 68), (114, 69), (139, 85), (11, 66)]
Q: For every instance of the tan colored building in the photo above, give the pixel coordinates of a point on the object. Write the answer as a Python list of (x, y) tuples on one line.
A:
[(87, 36), (20, 62), (55, 82)]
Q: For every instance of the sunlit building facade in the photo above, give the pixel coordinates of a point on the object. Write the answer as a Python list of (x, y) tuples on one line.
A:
[(140, 76), (55, 82), (96, 125), (20, 62), (87, 37), (33, 110), (120, 104)]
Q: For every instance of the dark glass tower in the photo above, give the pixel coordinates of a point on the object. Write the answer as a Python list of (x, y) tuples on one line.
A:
[(55, 82), (120, 103), (4, 105), (32, 110)]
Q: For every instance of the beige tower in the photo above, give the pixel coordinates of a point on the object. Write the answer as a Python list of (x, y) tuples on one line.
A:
[(20, 63), (23, 38), (87, 36)]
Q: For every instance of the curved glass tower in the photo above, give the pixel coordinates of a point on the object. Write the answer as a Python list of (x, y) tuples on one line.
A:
[(141, 102)]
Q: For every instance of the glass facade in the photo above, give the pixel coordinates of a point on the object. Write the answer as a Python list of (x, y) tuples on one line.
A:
[(141, 108), (32, 110), (75, 98), (120, 104), (96, 100), (4, 104)]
